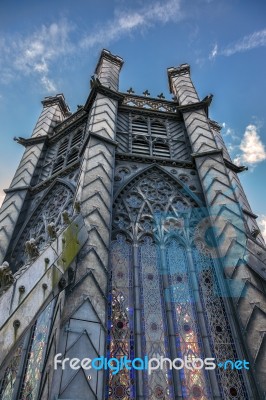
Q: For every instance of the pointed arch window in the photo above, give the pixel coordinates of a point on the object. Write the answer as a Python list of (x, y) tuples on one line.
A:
[(156, 219), (46, 218)]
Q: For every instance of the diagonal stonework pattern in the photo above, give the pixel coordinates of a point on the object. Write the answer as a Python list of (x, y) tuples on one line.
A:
[(54, 111), (224, 197), (95, 195)]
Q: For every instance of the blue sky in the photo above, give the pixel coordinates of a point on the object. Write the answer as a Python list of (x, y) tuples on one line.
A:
[(52, 46)]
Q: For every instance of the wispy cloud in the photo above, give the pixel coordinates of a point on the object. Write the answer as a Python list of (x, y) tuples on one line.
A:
[(128, 21), (251, 146), (229, 131), (214, 52), (36, 53), (248, 42)]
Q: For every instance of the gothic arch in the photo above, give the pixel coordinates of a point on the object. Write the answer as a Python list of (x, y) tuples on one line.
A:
[(150, 168), (154, 262), (45, 220)]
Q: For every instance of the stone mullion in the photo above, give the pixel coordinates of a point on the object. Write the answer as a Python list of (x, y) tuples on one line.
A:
[(137, 322), (202, 323), (177, 385)]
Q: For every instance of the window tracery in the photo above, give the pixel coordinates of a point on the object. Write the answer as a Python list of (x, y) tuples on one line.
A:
[(17, 384), (39, 339), (47, 215), (155, 215), (8, 382)]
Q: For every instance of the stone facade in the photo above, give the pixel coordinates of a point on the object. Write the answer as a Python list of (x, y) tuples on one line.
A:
[(126, 232)]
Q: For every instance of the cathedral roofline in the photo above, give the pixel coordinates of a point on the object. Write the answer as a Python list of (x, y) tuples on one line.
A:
[(110, 57), (174, 71), (57, 99)]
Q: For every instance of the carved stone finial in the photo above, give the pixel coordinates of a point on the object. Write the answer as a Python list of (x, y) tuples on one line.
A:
[(94, 81), (130, 90), (51, 229), (31, 248), (161, 96), (66, 218), (146, 93), (6, 277)]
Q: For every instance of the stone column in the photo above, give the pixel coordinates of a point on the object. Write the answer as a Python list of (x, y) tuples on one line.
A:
[(95, 195)]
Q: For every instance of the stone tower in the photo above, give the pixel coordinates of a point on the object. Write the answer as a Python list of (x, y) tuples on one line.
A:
[(126, 233)]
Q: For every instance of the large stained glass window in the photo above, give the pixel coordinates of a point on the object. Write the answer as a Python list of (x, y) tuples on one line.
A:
[(152, 266), (8, 383), (155, 343), (185, 320), (34, 365), (121, 323)]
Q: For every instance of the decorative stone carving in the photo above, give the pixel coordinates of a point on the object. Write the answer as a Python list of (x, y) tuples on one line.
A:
[(51, 229), (31, 248), (66, 218), (6, 277)]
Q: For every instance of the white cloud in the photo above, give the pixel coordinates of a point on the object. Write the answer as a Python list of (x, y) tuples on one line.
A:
[(35, 54), (248, 42), (251, 146), (127, 22), (256, 39), (214, 52), (48, 84), (262, 225)]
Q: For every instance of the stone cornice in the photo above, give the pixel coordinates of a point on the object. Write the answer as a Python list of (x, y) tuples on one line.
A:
[(159, 160), (104, 139), (235, 167), (203, 104), (245, 211), (67, 122), (97, 87), (30, 141), (44, 184), (215, 125), (59, 99), (207, 153), (110, 57), (16, 189), (172, 72)]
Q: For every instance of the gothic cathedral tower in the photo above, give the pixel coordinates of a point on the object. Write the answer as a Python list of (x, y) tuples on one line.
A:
[(126, 233)]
